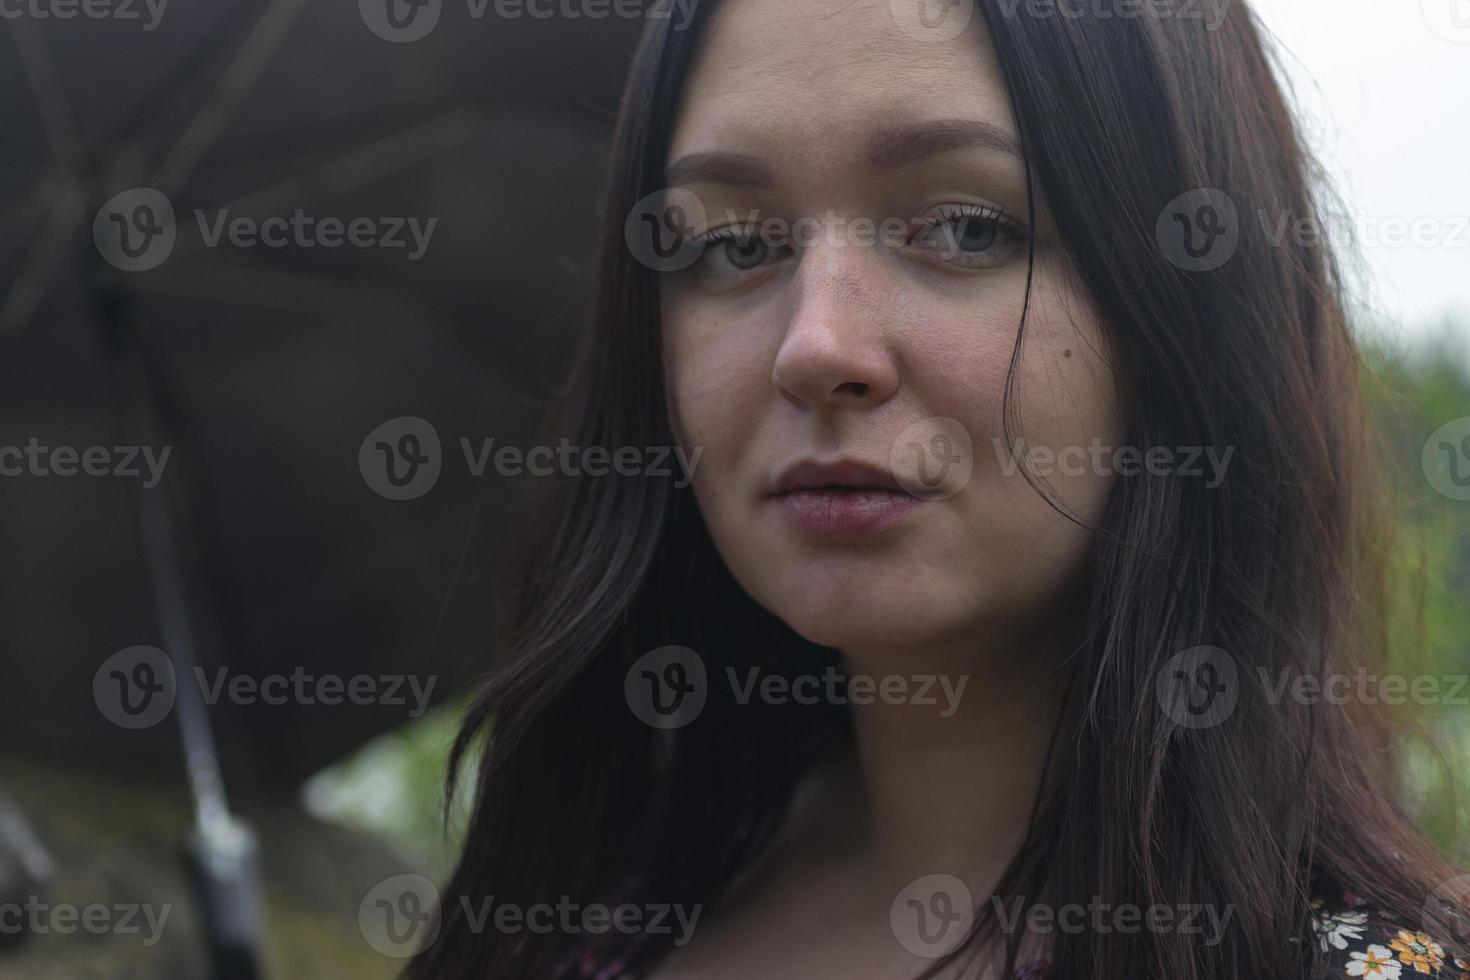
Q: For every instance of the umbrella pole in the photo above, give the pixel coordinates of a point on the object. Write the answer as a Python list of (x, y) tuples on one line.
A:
[(222, 852)]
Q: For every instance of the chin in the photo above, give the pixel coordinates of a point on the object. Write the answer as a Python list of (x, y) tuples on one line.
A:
[(855, 614)]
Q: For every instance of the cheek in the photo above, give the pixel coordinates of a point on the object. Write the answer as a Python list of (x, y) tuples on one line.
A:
[(717, 375), (1066, 405), (954, 355)]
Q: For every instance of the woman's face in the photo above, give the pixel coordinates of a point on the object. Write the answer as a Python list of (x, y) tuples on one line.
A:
[(843, 372)]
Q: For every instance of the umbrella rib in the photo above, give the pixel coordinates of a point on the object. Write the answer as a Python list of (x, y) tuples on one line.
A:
[(44, 255), (378, 159), (233, 86), (51, 103), (363, 164)]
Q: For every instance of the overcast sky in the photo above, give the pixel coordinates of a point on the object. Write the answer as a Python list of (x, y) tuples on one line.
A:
[(1384, 87)]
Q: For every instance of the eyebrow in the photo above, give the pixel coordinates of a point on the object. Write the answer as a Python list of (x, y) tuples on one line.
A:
[(888, 150)]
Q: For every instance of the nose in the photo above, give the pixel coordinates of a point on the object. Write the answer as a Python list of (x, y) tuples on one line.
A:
[(836, 352)]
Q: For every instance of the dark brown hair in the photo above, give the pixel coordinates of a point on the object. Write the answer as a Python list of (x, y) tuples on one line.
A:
[(1282, 565)]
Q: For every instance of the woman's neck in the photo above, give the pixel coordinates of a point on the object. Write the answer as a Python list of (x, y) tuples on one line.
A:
[(950, 760)]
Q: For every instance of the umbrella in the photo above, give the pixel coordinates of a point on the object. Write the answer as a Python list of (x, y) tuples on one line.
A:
[(235, 240)]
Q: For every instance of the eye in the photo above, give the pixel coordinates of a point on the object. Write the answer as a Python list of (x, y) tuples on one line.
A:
[(730, 253), (975, 236)]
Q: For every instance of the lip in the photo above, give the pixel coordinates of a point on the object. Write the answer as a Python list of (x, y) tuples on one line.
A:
[(846, 497)]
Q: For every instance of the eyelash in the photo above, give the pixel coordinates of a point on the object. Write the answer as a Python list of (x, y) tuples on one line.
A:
[(956, 216), (997, 217)]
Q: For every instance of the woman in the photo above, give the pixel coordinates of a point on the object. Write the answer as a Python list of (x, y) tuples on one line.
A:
[(1003, 398)]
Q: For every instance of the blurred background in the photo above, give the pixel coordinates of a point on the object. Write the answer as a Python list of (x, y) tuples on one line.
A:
[(245, 246)]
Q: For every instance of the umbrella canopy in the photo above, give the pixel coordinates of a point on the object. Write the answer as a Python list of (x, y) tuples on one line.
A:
[(318, 218)]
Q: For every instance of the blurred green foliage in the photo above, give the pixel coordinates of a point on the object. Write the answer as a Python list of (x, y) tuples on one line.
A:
[(394, 786), (1413, 392)]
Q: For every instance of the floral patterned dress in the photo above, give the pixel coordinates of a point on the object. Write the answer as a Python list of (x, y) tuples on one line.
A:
[(1362, 942), (1358, 940)]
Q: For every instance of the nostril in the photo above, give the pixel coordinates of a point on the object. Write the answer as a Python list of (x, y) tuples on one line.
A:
[(852, 388)]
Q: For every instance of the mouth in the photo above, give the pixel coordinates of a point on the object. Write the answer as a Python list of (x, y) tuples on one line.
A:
[(842, 498)]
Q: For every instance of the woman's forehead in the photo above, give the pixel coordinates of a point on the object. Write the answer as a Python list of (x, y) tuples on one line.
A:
[(770, 72)]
